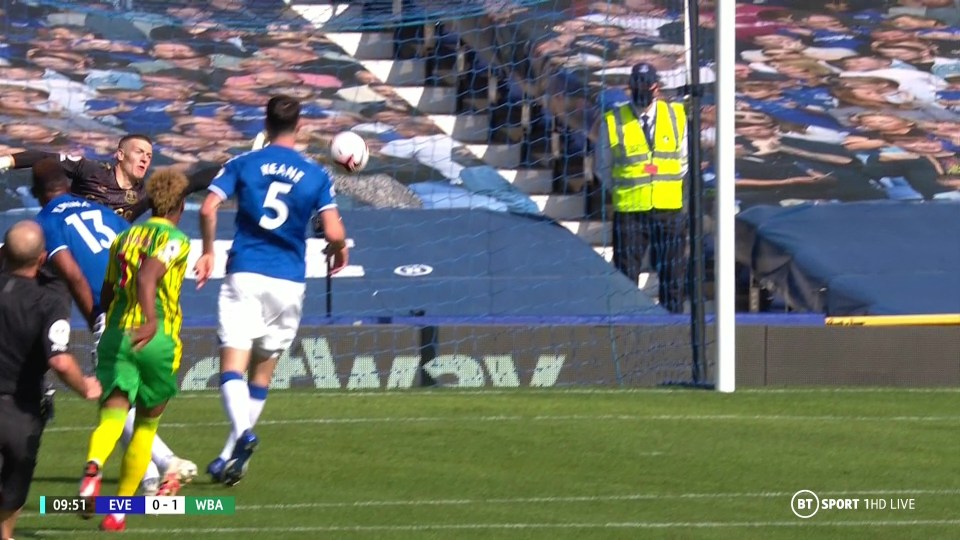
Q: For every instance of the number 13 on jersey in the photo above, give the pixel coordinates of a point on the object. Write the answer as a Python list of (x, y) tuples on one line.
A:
[(96, 245)]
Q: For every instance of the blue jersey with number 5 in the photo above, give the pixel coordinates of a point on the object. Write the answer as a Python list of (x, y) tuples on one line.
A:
[(86, 229), (278, 190)]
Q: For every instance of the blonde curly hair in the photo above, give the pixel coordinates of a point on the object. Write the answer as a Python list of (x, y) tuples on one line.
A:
[(167, 190)]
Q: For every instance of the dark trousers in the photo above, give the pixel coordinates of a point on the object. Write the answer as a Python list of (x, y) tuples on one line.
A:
[(664, 234), (20, 432)]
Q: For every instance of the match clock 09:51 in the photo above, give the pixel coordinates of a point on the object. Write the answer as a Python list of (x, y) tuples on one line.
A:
[(67, 505)]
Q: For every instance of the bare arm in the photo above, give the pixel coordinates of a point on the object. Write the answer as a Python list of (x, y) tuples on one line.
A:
[(67, 369), (111, 110), (208, 221), (56, 344), (208, 231), (68, 269), (761, 183), (333, 230), (336, 237), (818, 156), (793, 180), (856, 142)]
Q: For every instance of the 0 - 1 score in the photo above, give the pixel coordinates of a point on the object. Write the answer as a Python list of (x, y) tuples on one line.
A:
[(165, 505)]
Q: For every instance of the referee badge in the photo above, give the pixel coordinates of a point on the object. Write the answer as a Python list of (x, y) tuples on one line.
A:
[(131, 196)]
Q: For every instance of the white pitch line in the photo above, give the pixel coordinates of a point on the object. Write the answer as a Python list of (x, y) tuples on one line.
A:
[(554, 418), (653, 391), (520, 526), (849, 390), (572, 499), (582, 499)]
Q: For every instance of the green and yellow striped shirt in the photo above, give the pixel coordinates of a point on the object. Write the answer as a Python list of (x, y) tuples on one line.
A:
[(160, 239)]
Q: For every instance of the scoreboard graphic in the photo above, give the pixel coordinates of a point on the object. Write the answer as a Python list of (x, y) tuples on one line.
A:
[(201, 506)]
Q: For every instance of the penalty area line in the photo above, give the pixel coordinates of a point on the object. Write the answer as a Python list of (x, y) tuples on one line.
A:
[(554, 418), (441, 392)]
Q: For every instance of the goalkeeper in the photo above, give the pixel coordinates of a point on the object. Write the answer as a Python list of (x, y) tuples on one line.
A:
[(119, 184)]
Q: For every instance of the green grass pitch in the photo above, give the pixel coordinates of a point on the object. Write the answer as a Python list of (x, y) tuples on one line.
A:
[(550, 464)]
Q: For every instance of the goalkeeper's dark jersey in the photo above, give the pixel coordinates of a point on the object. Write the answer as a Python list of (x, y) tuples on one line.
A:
[(97, 181)]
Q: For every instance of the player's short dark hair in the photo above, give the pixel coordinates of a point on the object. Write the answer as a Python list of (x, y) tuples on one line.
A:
[(48, 177), (134, 137), (283, 113)]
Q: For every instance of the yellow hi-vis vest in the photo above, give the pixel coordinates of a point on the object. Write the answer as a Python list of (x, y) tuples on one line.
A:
[(646, 178)]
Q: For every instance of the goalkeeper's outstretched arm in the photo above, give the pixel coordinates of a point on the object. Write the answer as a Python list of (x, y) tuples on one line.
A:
[(201, 176), (22, 160)]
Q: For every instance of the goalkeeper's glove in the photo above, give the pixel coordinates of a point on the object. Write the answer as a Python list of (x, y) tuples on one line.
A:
[(6, 163)]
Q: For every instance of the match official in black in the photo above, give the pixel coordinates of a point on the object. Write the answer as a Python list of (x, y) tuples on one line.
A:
[(34, 337)]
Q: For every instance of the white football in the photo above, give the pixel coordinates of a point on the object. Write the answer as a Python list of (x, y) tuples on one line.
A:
[(349, 150)]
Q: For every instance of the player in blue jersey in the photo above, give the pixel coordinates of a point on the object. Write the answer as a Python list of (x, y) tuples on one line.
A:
[(79, 233), (261, 299)]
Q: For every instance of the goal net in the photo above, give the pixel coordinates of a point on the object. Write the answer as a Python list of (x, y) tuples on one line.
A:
[(481, 236)]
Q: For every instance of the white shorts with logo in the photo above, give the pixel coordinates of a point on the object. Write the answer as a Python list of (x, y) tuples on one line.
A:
[(257, 311)]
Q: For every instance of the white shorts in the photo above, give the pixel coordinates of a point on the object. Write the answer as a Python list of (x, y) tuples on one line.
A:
[(261, 312)]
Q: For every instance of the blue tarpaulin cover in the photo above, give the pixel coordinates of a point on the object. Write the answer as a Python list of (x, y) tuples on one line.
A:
[(443, 263), (870, 258)]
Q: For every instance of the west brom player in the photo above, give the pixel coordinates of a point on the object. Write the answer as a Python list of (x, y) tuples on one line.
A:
[(261, 299), (78, 235), (140, 348)]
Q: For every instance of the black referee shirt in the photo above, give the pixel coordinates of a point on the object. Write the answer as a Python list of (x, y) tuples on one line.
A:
[(34, 327)]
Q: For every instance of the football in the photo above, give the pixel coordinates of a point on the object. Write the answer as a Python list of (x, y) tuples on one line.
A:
[(349, 150)]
